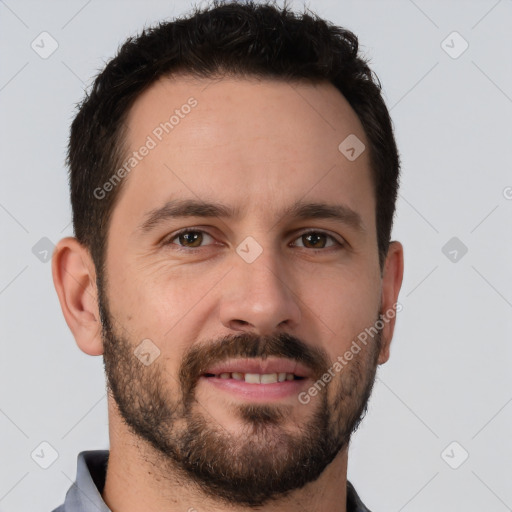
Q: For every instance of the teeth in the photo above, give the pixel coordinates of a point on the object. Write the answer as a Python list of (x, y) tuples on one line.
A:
[(268, 378), (253, 378), (256, 378)]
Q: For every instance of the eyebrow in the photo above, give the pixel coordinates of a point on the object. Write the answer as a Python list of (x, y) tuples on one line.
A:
[(181, 208)]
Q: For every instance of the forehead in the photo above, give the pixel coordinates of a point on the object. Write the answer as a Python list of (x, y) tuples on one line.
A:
[(242, 142)]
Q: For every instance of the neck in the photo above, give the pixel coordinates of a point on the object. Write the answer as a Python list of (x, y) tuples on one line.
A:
[(136, 480)]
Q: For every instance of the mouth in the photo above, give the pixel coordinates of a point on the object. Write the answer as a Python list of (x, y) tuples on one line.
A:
[(258, 380)]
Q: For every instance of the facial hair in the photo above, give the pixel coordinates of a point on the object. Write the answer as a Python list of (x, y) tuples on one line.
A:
[(265, 461)]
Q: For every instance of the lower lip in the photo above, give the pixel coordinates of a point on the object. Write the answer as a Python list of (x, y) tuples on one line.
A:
[(261, 392)]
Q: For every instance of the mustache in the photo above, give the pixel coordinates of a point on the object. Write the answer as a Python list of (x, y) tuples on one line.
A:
[(249, 345)]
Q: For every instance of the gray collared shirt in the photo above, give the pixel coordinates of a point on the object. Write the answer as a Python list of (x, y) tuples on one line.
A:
[(85, 493)]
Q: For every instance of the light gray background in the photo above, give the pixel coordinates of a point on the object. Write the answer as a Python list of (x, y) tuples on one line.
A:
[(448, 378)]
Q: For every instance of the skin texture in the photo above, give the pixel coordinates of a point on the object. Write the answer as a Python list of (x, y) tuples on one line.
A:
[(176, 441)]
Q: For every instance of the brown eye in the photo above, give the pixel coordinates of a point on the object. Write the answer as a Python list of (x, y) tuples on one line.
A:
[(317, 240), (188, 238)]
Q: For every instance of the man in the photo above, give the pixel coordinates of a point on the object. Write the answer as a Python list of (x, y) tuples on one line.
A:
[(233, 182)]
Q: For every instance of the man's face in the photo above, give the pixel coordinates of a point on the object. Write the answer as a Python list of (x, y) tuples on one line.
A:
[(288, 292)]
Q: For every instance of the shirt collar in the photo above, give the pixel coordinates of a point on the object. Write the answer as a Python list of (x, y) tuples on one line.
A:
[(85, 494)]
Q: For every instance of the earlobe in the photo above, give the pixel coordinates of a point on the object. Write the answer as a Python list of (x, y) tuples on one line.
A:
[(74, 278), (391, 284)]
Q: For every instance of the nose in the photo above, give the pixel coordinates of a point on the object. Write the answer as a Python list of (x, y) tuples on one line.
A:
[(259, 296)]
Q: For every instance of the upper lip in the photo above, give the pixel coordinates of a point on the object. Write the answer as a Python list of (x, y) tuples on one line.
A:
[(261, 366)]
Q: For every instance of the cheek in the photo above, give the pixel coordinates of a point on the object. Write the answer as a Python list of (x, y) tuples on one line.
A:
[(140, 307), (167, 304), (342, 307)]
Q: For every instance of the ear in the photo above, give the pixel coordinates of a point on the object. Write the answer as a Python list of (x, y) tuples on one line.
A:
[(74, 278), (391, 284)]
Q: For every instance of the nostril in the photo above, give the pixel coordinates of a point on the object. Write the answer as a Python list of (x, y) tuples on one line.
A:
[(239, 323)]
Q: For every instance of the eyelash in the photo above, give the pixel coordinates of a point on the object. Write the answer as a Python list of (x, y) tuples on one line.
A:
[(169, 241)]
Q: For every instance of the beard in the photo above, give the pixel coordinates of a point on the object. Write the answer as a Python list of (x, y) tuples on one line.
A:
[(267, 459)]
